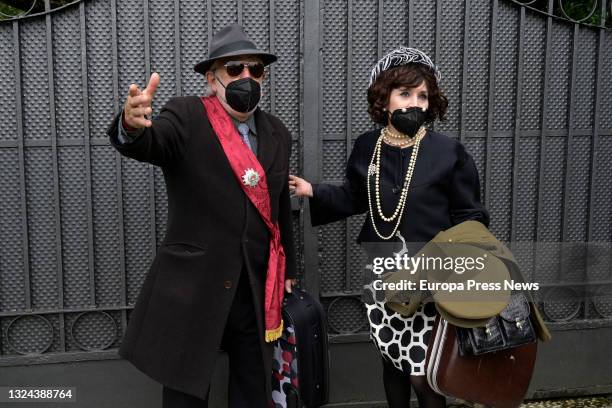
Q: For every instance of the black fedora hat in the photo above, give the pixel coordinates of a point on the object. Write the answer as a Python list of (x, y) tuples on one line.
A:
[(231, 41)]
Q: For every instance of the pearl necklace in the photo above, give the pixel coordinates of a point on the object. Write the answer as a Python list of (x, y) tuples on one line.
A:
[(374, 169), (401, 143), (396, 135)]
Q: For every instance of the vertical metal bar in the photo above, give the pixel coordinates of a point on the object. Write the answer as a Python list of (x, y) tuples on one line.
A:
[(543, 136), (570, 135), (348, 136), (87, 154), (25, 245), (595, 140), (409, 33), (569, 160), (464, 75), (119, 177), (55, 165), (379, 33), (517, 124), (543, 124), (177, 47), (438, 33), (151, 168), (272, 50), (437, 40), (491, 103), (312, 136), (209, 21), (240, 6)]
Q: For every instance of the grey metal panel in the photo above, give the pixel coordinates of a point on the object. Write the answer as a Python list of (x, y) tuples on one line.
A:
[(500, 200), (449, 63), (560, 69), (578, 200), (35, 85), (424, 26), (477, 64), (256, 22), (333, 75), (394, 24), (107, 258), (73, 205), (364, 53), (223, 13), (332, 263), (606, 83), (194, 44), (334, 160), (584, 106), (602, 228), (286, 71), (532, 85), (527, 189), (161, 27), (505, 67), (130, 46), (552, 210), (476, 148), (8, 130), (99, 67), (41, 227), (67, 74), (357, 259), (12, 284)]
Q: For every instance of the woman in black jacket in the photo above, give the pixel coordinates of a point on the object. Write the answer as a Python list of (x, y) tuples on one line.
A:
[(413, 183)]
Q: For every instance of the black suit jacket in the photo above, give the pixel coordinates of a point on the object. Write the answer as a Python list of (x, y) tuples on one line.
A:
[(213, 232)]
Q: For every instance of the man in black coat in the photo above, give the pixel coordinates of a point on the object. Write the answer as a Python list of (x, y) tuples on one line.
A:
[(205, 288)]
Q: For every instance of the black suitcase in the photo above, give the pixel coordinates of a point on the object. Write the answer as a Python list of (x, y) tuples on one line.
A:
[(300, 370)]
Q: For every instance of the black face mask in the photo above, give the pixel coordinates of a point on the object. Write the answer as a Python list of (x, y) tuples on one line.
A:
[(242, 95), (408, 120)]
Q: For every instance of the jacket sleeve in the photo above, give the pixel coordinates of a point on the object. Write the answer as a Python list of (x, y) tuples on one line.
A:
[(161, 144), (124, 136), (464, 194), (330, 203)]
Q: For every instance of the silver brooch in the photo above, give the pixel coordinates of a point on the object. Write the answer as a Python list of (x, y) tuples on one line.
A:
[(250, 178), (371, 170)]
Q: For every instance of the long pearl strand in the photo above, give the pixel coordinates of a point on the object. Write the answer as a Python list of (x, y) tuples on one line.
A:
[(374, 169)]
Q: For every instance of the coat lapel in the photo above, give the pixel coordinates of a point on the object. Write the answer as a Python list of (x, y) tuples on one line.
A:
[(267, 144)]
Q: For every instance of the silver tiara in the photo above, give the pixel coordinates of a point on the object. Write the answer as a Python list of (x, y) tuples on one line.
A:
[(402, 56)]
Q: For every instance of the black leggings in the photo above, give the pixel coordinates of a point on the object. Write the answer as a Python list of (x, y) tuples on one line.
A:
[(397, 388)]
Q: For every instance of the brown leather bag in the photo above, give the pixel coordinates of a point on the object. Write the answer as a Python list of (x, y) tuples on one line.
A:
[(498, 379)]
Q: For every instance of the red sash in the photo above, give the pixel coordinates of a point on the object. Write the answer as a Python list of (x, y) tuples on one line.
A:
[(245, 165)]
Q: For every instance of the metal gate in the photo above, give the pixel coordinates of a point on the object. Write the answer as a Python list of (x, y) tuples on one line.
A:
[(80, 224)]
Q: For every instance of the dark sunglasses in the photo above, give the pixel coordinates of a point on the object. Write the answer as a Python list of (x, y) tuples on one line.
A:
[(235, 68)]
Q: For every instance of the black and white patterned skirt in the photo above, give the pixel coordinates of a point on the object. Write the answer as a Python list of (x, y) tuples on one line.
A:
[(401, 340)]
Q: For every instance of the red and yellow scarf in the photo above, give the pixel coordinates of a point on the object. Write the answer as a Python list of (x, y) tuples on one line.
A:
[(244, 163)]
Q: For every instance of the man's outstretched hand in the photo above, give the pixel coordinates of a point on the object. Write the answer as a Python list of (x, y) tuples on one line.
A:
[(138, 104)]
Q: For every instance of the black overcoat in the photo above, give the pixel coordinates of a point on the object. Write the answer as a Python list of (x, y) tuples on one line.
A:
[(213, 231)]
